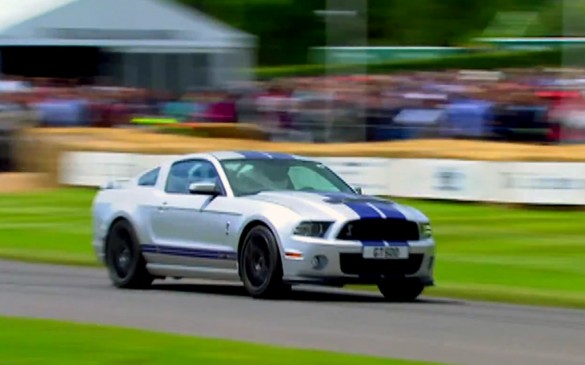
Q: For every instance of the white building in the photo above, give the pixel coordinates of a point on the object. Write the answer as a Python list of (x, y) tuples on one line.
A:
[(157, 44)]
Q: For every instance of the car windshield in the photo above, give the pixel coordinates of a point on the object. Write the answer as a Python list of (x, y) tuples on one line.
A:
[(250, 176)]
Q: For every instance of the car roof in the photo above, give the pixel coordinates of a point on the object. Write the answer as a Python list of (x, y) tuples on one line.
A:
[(250, 154)]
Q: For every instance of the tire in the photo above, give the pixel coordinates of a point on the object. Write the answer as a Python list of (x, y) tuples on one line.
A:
[(261, 265), (124, 260), (401, 291)]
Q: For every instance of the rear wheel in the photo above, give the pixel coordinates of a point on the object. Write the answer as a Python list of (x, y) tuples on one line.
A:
[(261, 266), (401, 291), (124, 260)]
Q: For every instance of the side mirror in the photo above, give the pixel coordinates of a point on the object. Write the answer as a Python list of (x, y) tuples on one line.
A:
[(204, 188), (358, 190)]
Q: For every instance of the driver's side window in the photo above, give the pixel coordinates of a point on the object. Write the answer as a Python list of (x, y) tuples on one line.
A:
[(303, 178), (184, 173)]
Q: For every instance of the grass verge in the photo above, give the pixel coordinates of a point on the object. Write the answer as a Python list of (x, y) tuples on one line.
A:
[(61, 342), (489, 253)]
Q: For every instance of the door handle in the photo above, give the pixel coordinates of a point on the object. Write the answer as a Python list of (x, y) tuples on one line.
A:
[(163, 207)]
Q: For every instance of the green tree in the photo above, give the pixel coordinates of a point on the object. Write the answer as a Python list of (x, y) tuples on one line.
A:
[(287, 28), (560, 18)]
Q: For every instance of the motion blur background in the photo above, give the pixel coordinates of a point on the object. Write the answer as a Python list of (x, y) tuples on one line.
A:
[(319, 71)]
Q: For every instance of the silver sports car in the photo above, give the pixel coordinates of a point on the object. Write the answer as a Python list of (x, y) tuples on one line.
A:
[(269, 220)]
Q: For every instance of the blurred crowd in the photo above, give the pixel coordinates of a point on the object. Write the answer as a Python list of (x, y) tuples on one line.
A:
[(527, 105)]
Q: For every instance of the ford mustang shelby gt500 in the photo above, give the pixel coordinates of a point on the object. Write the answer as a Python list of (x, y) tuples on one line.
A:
[(266, 219)]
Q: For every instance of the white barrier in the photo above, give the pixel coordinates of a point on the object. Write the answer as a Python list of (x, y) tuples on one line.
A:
[(505, 182), (538, 182)]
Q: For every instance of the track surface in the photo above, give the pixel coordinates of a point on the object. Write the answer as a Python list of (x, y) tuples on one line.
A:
[(433, 330)]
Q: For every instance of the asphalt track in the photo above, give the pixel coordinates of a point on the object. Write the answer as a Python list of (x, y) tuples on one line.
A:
[(433, 330)]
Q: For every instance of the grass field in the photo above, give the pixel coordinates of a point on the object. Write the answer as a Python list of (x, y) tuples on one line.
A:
[(60, 342), (484, 252)]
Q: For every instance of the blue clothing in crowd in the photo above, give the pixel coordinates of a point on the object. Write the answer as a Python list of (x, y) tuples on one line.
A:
[(63, 112), (468, 118)]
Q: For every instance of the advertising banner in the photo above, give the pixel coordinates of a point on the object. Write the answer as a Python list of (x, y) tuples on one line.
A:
[(437, 179), (537, 183), (506, 182)]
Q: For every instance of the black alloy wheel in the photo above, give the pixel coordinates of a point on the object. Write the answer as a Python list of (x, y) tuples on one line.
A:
[(257, 261), (261, 266), (126, 265)]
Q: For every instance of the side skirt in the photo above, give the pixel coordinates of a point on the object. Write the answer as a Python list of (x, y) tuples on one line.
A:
[(193, 272)]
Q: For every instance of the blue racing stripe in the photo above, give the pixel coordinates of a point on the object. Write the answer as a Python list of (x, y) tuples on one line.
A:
[(388, 210), (190, 252), (265, 155), (361, 208), (197, 253), (280, 156), (253, 154), (148, 248)]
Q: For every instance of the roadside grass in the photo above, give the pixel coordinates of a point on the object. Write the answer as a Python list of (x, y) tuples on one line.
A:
[(62, 342), (494, 253), (51, 227)]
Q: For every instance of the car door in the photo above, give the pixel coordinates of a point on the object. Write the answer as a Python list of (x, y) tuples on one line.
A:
[(187, 229), (148, 201)]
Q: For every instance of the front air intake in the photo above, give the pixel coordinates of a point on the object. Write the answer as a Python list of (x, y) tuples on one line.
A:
[(380, 230)]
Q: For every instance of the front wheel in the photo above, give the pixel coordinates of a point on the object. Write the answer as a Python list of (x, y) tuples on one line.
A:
[(261, 266), (401, 291), (124, 260)]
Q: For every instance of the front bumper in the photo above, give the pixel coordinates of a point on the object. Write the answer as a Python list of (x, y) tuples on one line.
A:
[(334, 262)]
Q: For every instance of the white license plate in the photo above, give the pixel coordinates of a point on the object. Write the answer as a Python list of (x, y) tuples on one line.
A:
[(385, 253)]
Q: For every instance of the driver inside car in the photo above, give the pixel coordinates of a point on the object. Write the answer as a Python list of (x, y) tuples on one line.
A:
[(276, 174)]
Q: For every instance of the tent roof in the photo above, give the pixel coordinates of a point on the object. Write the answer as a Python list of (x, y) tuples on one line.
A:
[(18, 11), (113, 23)]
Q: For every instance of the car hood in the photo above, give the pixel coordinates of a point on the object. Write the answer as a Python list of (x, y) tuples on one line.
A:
[(339, 206)]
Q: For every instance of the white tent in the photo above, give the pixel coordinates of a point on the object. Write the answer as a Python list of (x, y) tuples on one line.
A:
[(158, 43)]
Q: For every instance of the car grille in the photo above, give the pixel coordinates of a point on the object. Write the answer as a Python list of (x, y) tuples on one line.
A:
[(355, 264), (380, 230)]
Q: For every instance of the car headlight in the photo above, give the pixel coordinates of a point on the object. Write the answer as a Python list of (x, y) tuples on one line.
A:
[(426, 231), (312, 229)]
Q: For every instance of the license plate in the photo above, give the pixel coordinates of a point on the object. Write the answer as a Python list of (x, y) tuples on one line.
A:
[(385, 253)]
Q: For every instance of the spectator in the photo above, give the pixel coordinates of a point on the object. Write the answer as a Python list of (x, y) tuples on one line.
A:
[(516, 105)]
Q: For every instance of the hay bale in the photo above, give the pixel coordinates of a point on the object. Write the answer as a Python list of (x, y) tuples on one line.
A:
[(41, 148)]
